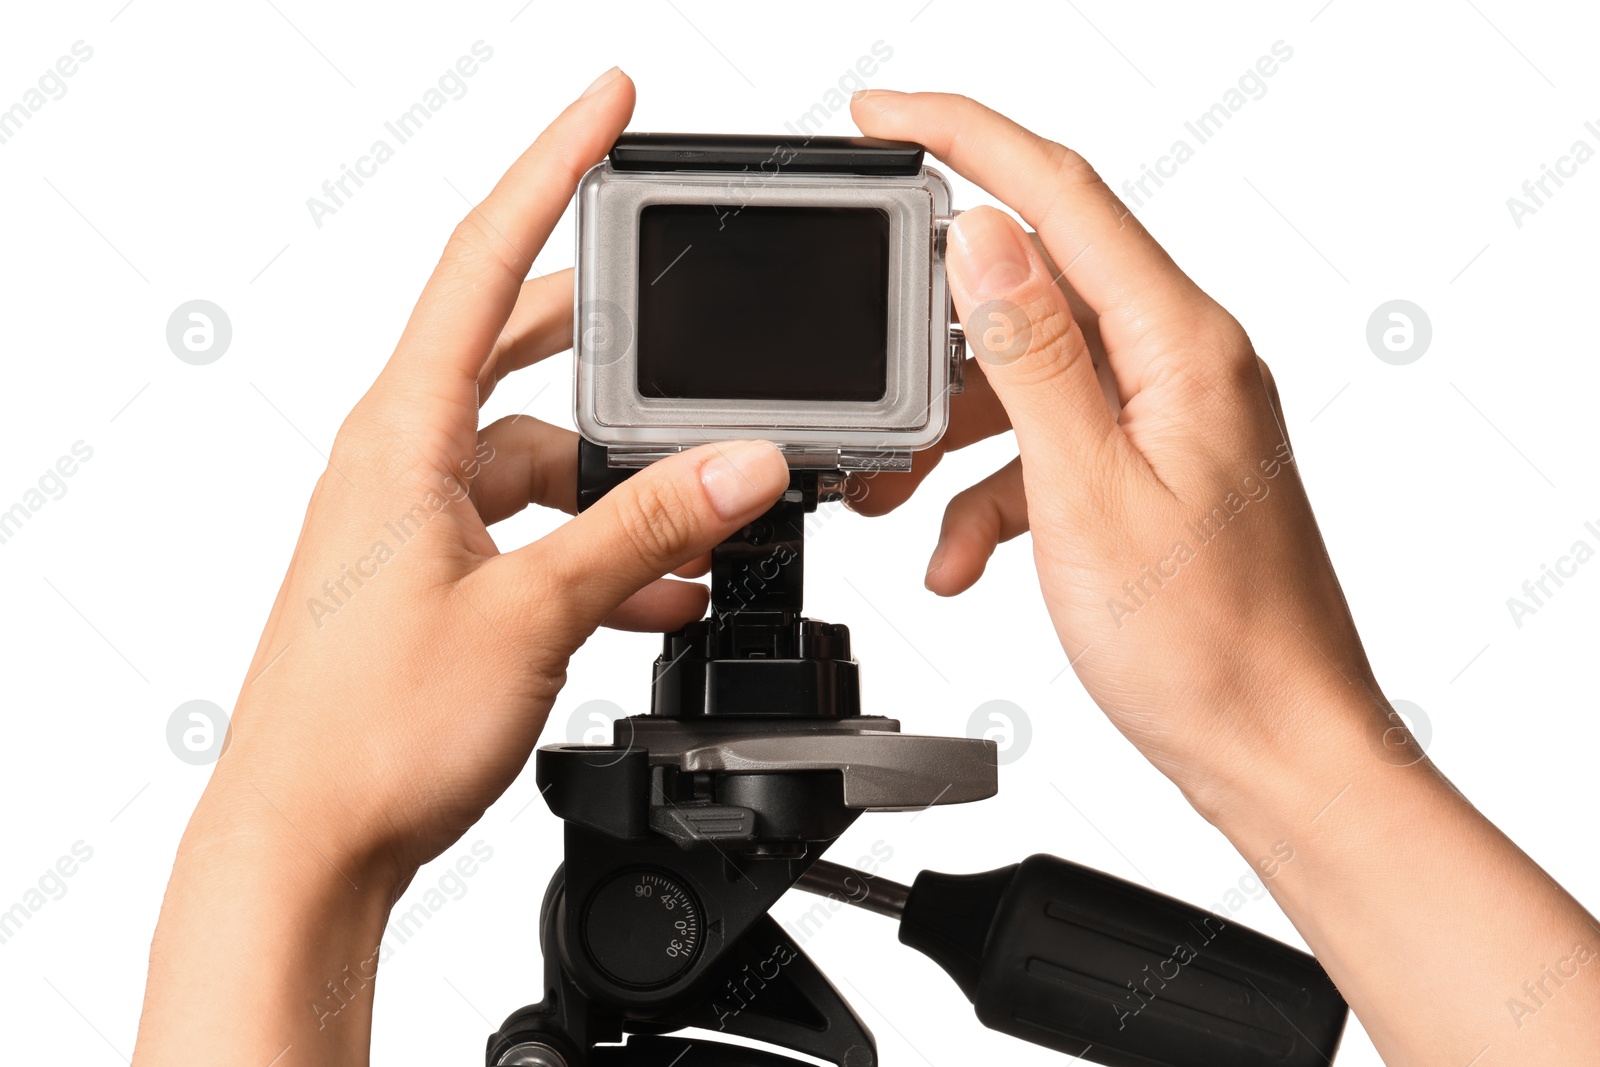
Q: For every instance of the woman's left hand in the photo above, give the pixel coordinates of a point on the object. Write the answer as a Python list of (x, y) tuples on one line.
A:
[(408, 665)]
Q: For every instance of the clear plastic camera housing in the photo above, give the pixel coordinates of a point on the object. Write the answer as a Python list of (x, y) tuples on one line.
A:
[(881, 433)]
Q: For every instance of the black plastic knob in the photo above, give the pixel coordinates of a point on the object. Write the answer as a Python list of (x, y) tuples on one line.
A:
[(642, 928)]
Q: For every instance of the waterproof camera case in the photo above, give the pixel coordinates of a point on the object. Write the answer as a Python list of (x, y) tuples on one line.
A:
[(744, 286)]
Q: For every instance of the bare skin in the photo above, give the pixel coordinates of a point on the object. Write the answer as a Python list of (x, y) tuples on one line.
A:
[(367, 740), (1229, 657)]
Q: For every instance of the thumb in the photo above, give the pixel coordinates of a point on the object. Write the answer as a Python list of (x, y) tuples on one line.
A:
[(1020, 327), (669, 514)]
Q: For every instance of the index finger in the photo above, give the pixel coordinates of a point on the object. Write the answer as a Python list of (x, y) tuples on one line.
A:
[(1105, 254), (470, 294)]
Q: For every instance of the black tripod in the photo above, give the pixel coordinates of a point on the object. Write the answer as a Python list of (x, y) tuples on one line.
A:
[(754, 758)]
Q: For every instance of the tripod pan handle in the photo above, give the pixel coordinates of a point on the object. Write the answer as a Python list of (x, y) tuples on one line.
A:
[(1075, 960)]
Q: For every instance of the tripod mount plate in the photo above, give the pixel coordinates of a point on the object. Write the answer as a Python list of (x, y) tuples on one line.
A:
[(883, 769)]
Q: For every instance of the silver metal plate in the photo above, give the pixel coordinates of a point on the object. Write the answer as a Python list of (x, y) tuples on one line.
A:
[(883, 769)]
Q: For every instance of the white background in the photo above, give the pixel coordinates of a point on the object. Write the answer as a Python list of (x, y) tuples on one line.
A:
[(177, 166)]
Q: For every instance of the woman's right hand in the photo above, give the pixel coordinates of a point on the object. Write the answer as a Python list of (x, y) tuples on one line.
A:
[(1177, 551), (1188, 583)]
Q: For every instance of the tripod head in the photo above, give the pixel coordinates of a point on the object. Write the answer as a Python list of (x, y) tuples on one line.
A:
[(754, 758)]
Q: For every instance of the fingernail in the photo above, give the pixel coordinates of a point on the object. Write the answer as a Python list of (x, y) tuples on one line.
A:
[(988, 257), (935, 564), (600, 82), (742, 476), (862, 94)]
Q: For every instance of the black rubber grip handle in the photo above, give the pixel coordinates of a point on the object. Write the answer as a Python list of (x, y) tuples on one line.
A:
[(1078, 961)]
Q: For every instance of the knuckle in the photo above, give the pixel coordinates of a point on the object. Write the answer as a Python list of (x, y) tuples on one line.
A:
[(1067, 166), (1208, 347), (560, 154), (1236, 360), (1056, 344), (477, 245), (969, 119), (372, 450), (657, 522), (976, 507), (1074, 189), (1229, 336), (466, 244), (1270, 383), (365, 442)]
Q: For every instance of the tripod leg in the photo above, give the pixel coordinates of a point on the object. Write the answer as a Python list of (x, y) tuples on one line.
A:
[(767, 989)]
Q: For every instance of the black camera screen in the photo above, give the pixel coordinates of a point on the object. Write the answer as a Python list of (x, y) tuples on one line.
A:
[(763, 303)]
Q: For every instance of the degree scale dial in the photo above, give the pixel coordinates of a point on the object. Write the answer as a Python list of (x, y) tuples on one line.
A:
[(643, 928)]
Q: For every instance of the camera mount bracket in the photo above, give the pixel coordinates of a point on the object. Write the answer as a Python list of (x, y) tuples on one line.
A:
[(755, 756), (683, 832)]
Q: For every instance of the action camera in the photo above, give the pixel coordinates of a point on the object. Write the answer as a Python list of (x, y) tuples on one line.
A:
[(744, 286)]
